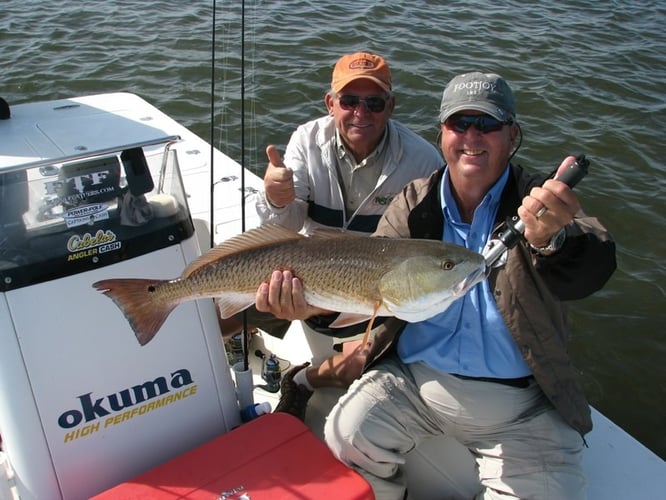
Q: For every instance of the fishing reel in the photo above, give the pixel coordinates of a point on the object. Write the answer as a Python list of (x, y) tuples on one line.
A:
[(271, 371)]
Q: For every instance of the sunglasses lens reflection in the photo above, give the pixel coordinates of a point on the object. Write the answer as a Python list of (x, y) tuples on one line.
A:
[(375, 104), (482, 123)]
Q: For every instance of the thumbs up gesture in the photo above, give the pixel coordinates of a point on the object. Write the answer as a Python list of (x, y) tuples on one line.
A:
[(278, 180)]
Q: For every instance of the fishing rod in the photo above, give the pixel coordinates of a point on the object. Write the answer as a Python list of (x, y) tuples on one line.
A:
[(212, 131), (510, 237), (246, 334)]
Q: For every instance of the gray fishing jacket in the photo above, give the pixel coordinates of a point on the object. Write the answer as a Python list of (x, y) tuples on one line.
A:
[(312, 156), (531, 291)]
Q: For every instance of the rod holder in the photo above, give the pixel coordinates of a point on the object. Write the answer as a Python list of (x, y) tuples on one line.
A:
[(244, 385)]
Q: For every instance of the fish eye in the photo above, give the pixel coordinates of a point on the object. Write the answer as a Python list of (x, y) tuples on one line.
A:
[(447, 265)]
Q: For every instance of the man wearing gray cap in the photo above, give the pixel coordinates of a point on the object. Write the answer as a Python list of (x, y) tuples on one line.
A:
[(493, 370)]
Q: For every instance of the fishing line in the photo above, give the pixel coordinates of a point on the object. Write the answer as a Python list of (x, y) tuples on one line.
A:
[(245, 335)]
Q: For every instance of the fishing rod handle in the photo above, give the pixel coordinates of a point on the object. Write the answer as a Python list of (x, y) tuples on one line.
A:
[(574, 172), (515, 227)]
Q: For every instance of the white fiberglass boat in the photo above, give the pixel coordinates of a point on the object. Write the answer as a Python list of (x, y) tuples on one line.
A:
[(108, 186)]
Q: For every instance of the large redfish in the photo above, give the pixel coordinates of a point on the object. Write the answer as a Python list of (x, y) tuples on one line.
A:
[(361, 276)]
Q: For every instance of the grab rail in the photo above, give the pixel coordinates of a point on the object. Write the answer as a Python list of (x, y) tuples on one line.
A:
[(89, 154)]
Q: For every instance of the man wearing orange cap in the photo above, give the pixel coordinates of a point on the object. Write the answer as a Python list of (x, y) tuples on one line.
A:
[(340, 171)]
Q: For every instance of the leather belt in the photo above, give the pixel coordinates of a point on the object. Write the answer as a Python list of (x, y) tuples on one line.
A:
[(520, 383)]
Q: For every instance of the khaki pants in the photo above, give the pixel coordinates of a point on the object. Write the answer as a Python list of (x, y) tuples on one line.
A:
[(523, 449)]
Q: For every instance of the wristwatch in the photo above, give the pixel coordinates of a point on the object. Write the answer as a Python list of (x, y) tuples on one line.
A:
[(553, 246)]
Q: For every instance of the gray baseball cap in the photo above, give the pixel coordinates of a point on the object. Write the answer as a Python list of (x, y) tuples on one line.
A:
[(485, 92)]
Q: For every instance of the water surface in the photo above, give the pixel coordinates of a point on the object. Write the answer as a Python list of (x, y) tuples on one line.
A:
[(589, 77)]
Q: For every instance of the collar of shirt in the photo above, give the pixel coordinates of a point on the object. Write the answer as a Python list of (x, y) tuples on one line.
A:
[(344, 155), (474, 235), (470, 337), (358, 180)]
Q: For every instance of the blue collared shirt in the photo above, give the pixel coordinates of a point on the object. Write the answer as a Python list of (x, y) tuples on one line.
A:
[(470, 337)]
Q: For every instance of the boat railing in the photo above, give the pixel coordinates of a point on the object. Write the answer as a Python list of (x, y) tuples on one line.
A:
[(47, 162)]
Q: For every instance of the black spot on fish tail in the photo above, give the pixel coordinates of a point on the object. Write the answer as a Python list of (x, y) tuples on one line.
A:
[(134, 297)]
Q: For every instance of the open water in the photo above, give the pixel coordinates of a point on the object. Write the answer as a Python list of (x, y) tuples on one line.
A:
[(589, 77)]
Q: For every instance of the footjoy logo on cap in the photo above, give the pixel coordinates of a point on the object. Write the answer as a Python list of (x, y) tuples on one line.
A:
[(475, 87)]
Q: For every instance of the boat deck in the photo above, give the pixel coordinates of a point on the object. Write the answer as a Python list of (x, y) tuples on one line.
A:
[(617, 465)]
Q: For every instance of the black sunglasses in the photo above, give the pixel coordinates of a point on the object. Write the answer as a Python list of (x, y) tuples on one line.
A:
[(374, 103), (482, 123)]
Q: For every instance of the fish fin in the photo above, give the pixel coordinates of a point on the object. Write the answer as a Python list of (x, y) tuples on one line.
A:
[(366, 336), (349, 319), (254, 238), (230, 305), (134, 298)]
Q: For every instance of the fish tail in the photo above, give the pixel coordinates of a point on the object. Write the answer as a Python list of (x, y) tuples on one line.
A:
[(136, 299)]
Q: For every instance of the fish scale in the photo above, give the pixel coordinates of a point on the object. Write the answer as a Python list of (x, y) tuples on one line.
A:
[(344, 271)]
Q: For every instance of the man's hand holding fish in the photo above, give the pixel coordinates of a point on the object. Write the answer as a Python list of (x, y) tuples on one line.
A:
[(283, 296)]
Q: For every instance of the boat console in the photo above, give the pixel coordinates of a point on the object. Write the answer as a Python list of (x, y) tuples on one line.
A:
[(90, 192), (59, 219)]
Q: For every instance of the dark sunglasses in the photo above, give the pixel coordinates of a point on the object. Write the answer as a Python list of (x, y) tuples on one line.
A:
[(482, 123), (374, 103)]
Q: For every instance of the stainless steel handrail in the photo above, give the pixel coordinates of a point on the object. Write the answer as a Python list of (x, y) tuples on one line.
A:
[(89, 154)]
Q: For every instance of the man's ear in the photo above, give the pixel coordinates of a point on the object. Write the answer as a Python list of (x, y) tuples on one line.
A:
[(391, 103), (514, 133), (328, 100)]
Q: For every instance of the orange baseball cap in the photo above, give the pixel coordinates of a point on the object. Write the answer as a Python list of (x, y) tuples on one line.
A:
[(352, 67)]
